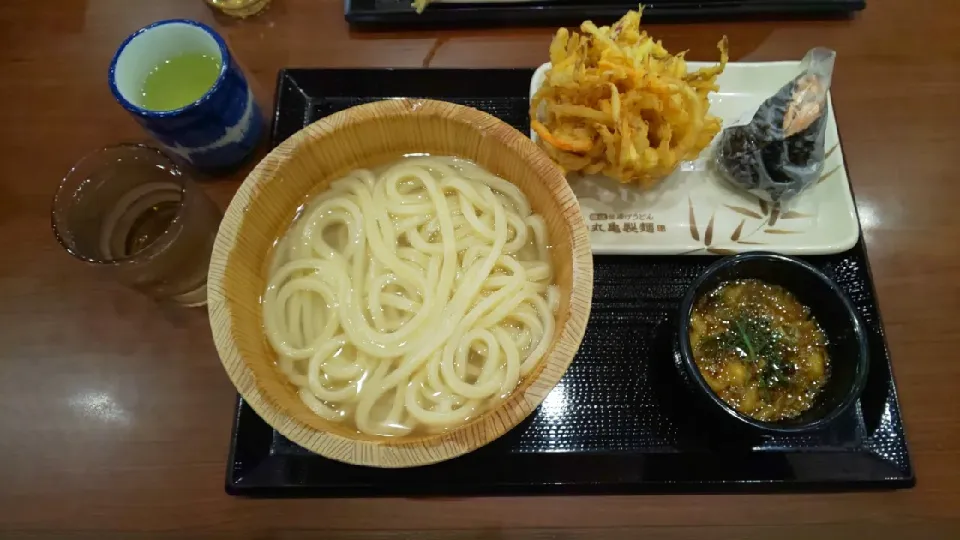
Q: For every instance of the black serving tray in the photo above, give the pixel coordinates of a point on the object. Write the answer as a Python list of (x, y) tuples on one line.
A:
[(619, 421), (399, 13)]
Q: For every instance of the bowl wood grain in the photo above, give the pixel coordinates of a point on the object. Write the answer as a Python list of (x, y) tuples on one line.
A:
[(306, 163)]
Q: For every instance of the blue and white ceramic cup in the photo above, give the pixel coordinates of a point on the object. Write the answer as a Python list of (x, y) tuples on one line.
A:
[(217, 131)]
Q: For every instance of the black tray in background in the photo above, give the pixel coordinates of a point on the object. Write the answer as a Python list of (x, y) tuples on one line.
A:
[(618, 421), (400, 14)]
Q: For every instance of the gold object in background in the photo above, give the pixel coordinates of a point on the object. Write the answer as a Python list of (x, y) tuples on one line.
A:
[(240, 8)]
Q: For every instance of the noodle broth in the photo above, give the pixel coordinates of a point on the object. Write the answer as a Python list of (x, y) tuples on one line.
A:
[(412, 297)]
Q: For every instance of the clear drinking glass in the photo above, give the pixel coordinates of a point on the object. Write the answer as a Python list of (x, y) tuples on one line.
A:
[(132, 210)]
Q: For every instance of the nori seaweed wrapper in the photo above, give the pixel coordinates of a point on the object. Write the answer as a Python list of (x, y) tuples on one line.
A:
[(780, 152)]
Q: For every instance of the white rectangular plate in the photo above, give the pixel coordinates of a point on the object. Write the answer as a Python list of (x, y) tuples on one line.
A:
[(694, 212)]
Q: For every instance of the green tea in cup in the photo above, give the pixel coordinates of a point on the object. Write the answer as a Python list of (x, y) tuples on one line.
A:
[(179, 81)]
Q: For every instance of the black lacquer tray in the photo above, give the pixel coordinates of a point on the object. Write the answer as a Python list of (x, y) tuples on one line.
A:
[(619, 421), (400, 14)]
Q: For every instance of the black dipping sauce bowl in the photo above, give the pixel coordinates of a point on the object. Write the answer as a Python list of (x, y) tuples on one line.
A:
[(846, 342)]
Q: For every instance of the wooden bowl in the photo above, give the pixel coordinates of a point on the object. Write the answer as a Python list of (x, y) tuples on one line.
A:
[(366, 136)]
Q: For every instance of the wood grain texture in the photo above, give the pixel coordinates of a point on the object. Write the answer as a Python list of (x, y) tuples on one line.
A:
[(305, 164), (115, 415)]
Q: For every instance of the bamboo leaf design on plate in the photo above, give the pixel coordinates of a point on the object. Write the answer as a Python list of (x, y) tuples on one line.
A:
[(830, 152), (721, 251), (744, 211), (736, 232), (828, 174), (781, 231), (794, 215), (764, 206), (708, 235), (774, 215), (693, 222), (751, 243)]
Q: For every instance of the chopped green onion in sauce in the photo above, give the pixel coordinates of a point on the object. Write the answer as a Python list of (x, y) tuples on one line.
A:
[(759, 349)]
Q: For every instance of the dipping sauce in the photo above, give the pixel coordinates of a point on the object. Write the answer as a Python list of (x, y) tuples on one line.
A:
[(759, 349)]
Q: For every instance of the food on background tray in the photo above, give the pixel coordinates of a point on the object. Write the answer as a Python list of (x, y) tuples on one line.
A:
[(412, 298), (616, 102), (779, 151), (759, 349), (420, 5)]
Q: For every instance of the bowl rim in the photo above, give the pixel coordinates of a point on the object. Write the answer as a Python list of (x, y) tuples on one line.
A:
[(486, 427), (689, 365), (144, 112)]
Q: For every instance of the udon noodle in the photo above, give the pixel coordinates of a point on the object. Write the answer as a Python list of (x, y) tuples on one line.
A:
[(411, 298)]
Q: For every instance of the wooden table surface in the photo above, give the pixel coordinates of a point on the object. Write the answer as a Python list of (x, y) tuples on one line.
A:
[(115, 416)]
